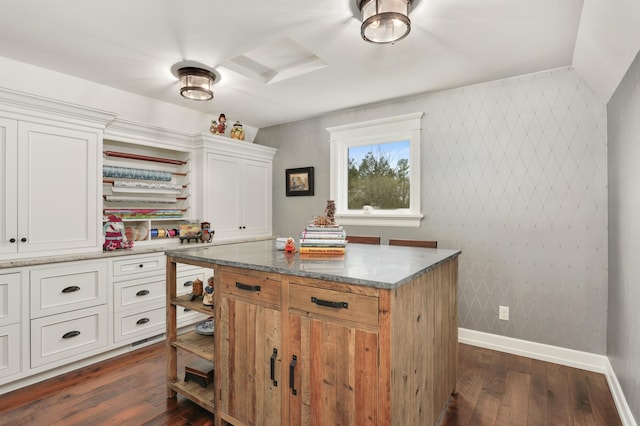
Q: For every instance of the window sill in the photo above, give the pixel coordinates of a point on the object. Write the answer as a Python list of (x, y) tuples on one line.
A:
[(379, 219)]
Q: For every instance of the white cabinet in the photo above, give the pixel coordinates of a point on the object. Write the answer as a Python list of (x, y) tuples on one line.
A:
[(49, 176), (10, 353), (237, 189), (69, 314), (49, 180), (8, 186)]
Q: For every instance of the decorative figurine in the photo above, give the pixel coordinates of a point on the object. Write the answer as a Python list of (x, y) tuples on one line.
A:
[(290, 246), (207, 297), (114, 235), (222, 125), (196, 289), (214, 127), (237, 132), (206, 233)]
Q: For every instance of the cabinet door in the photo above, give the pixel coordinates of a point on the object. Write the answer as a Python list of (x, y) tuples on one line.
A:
[(8, 186), (257, 192), (222, 193), (237, 196), (250, 363), (332, 373), (57, 188)]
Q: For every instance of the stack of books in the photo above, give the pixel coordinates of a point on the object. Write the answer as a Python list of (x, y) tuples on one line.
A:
[(323, 240)]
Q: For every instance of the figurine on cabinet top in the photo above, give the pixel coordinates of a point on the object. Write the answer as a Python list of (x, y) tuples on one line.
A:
[(222, 125), (237, 132)]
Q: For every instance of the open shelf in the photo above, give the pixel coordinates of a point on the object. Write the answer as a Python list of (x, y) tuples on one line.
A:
[(149, 189), (195, 343), (204, 397)]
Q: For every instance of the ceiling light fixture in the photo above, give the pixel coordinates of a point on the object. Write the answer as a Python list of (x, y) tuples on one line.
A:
[(195, 83), (384, 21)]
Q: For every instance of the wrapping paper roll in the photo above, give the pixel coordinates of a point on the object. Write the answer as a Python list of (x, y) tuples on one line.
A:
[(131, 173)]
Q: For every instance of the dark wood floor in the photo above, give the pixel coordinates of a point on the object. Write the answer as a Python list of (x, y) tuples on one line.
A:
[(494, 388)]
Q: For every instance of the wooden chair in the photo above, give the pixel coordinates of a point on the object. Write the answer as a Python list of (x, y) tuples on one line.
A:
[(361, 239), (413, 243)]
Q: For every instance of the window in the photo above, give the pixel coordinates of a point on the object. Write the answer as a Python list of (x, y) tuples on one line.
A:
[(375, 172)]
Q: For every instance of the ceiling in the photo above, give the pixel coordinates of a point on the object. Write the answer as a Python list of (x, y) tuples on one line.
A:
[(286, 60)]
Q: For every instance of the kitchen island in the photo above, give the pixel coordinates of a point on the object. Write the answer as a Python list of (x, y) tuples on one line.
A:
[(365, 338)]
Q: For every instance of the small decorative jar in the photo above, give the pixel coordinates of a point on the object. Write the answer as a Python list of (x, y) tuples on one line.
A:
[(237, 132)]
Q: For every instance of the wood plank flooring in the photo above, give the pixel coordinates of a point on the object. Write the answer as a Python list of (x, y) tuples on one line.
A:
[(494, 388)]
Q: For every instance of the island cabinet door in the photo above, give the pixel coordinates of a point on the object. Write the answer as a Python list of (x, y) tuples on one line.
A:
[(332, 373), (250, 363)]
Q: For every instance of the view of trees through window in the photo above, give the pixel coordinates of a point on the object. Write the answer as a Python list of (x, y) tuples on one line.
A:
[(379, 176)]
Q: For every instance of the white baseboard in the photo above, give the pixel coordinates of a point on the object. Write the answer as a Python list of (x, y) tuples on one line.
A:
[(563, 356)]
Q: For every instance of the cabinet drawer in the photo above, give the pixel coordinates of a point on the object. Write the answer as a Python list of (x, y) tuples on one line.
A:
[(9, 300), (259, 288), (67, 287), (335, 304), (10, 353), (139, 265), (138, 293), (128, 326), (68, 336)]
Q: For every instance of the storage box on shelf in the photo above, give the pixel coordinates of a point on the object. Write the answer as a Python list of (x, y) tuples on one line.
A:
[(148, 188)]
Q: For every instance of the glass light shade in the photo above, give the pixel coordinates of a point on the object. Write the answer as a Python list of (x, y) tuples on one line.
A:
[(195, 83), (384, 21)]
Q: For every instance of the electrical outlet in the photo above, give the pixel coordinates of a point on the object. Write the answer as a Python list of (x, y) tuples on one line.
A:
[(503, 313)]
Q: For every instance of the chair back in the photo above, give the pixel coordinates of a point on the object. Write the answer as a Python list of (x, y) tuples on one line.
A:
[(363, 239), (413, 243)]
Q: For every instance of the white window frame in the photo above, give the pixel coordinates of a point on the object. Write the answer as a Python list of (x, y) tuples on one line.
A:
[(389, 129)]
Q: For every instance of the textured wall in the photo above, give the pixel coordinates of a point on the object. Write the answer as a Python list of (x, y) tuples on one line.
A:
[(514, 173), (623, 336)]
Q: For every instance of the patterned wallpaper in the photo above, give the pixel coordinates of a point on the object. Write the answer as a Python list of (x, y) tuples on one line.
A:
[(623, 335), (514, 173)]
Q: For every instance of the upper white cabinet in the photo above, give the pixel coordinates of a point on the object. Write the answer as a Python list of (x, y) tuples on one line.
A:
[(237, 189), (8, 185), (49, 177)]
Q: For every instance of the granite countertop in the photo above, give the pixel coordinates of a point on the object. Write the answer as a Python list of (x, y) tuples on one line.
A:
[(379, 266), (136, 250)]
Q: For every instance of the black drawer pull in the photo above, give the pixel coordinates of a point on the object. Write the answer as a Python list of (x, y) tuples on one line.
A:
[(70, 334), (141, 266), (70, 289), (273, 366), (247, 287), (23, 239), (330, 304), (292, 370), (188, 284), (142, 321), (142, 293), (12, 240)]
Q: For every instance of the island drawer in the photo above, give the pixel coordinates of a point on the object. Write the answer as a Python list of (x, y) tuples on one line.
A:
[(259, 288), (335, 304)]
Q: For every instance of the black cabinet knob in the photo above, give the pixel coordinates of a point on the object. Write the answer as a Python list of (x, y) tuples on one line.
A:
[(12, 240), (24, 240)]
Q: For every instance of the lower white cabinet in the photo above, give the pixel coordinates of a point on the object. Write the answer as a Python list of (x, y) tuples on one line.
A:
[(9, 351), (10, 342), (139, 324), (69, 336)]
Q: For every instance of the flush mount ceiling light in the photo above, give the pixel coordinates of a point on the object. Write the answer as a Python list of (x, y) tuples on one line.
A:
[(196, 80), (384, 21), (195, 83)]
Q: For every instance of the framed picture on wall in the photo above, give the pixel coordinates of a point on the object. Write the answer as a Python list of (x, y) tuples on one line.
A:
[(299, 181)]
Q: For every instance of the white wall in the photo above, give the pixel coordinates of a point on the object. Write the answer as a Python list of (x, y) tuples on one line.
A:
[(515, 175), (33, 80), (623, 331)]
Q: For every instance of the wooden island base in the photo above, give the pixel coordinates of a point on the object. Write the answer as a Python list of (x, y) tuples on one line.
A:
[(296, 349)]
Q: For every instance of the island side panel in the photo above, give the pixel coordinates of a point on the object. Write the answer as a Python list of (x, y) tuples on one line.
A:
[(423, 335)]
